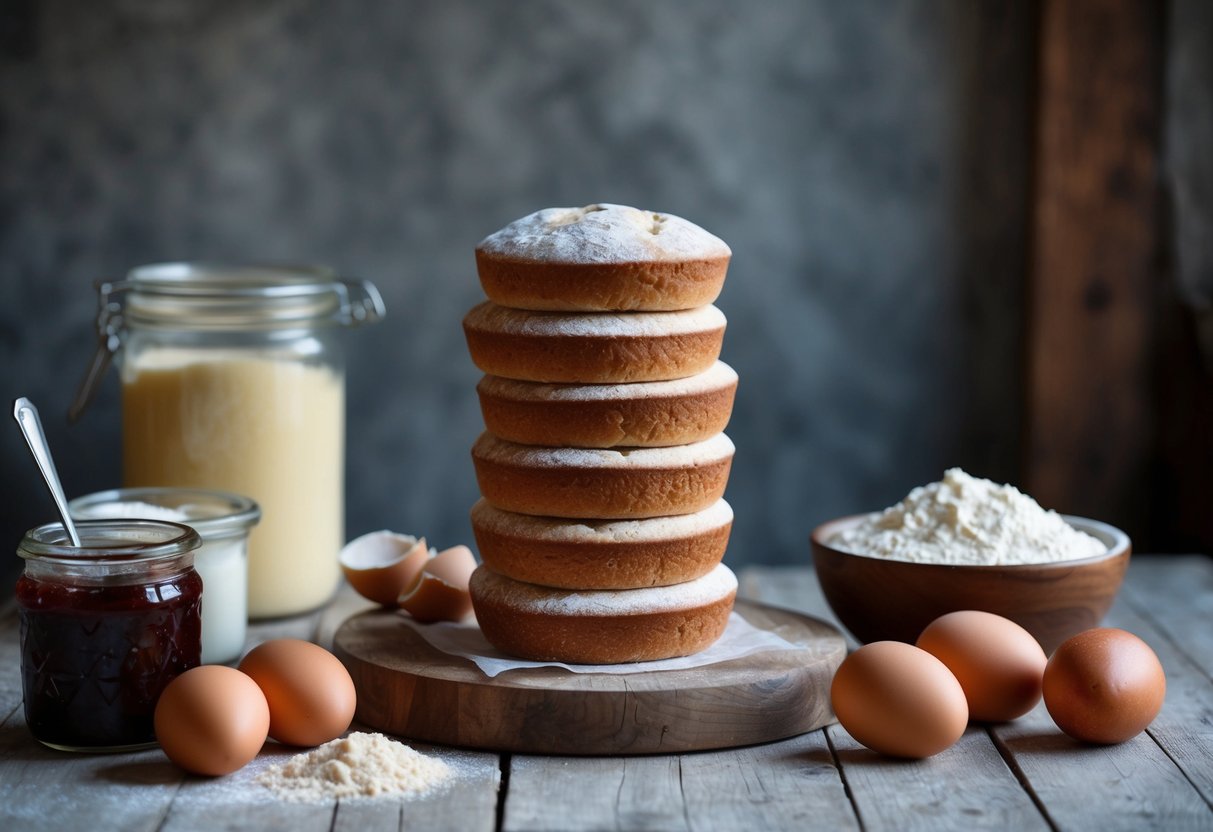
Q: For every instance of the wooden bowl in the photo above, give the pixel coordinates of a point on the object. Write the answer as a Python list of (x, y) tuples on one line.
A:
[(879, 599)]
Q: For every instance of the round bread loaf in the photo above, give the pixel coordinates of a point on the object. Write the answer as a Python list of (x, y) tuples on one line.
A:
[(642, 415), (618, 554), (598, 348), (602, 258), (602, 484), (629, 625)]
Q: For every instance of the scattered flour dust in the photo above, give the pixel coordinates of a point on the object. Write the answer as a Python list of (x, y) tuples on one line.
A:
[(359, 765), (965, 520)]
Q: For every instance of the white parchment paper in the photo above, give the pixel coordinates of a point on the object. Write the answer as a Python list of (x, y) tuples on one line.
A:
[(740, 638)]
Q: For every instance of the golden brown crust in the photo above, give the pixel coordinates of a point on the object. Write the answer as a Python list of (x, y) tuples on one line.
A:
[(600, 287), (525, 555), (593, 360), (590, 350), (625, 421), (601, 639), (600, 493), (602, 258)]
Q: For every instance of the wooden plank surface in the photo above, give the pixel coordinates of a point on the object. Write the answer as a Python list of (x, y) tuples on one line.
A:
[(548, 794), (1184, 728), (408, 687), (969, 786), (1158, 780), (792, 588), (1176, 594), (1153, 781), (792, 784), (1024, 775), (41, 789), (783, 785), (1092, 272), (899, 794), (789, 785), (468, 805), (1131, 786)]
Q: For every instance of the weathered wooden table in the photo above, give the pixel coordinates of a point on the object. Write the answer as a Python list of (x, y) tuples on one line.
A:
[(1024, 775)]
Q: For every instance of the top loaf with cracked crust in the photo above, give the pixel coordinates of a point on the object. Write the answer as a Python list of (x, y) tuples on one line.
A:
[(602, 258)]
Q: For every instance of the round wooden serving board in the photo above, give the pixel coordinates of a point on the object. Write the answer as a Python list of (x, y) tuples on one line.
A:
[(408, 688)]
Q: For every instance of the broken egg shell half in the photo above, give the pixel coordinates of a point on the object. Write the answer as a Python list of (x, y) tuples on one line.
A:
[(381, 565), (442, 593)]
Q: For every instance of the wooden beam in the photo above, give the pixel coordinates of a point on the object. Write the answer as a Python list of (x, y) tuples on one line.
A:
[(1093, 281)]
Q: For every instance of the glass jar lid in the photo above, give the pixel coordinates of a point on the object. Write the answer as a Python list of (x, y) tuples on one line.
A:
[(235, 296), (215, 515), (222, 297), (112, 546)]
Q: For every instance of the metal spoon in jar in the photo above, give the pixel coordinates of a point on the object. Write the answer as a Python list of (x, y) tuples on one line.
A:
[(31, 426)]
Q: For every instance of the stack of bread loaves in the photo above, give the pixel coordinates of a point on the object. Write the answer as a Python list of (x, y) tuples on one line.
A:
[(601, 524)]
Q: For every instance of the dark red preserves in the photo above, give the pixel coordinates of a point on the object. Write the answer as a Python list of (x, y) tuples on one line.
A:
[(94, 658)]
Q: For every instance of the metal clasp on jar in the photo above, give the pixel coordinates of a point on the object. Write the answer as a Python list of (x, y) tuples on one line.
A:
[(357, 303), (109, 330)]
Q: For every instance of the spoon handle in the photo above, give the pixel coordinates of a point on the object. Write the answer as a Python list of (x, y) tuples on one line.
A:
[(31, 426)]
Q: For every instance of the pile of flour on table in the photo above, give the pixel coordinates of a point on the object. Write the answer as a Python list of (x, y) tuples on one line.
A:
[(359, 765)]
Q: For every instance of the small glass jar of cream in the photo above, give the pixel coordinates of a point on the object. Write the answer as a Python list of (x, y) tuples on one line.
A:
[(105, 626), (223, 521)]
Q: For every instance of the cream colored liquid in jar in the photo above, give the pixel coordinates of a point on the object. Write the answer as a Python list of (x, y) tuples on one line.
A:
[(274, 430)]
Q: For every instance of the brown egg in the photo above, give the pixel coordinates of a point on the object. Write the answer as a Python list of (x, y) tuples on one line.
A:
[(442, 593), (998, 663), (381, 565), (212, 720), (899, 700), (1104, 686), (310, 693)]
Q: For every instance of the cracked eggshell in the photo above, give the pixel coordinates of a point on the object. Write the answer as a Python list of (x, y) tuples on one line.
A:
[(442, 593), (382, 565)]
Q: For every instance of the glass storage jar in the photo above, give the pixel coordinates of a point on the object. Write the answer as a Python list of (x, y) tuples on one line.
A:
[(233, 379), (223, 521), (104, 628)]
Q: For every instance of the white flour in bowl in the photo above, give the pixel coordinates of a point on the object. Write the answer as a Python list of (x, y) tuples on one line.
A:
[(965, 520)]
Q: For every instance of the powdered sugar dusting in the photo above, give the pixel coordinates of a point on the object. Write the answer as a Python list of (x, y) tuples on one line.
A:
[(551, 530), (490, 317), (716, 377), (603, 233), (712, 587), (710, 450), (966, 520)]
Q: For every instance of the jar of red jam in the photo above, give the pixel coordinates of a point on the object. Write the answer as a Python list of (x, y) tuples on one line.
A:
[(104, 628)]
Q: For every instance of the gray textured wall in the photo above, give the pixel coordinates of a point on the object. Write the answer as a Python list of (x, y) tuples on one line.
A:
[(866, 161)]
